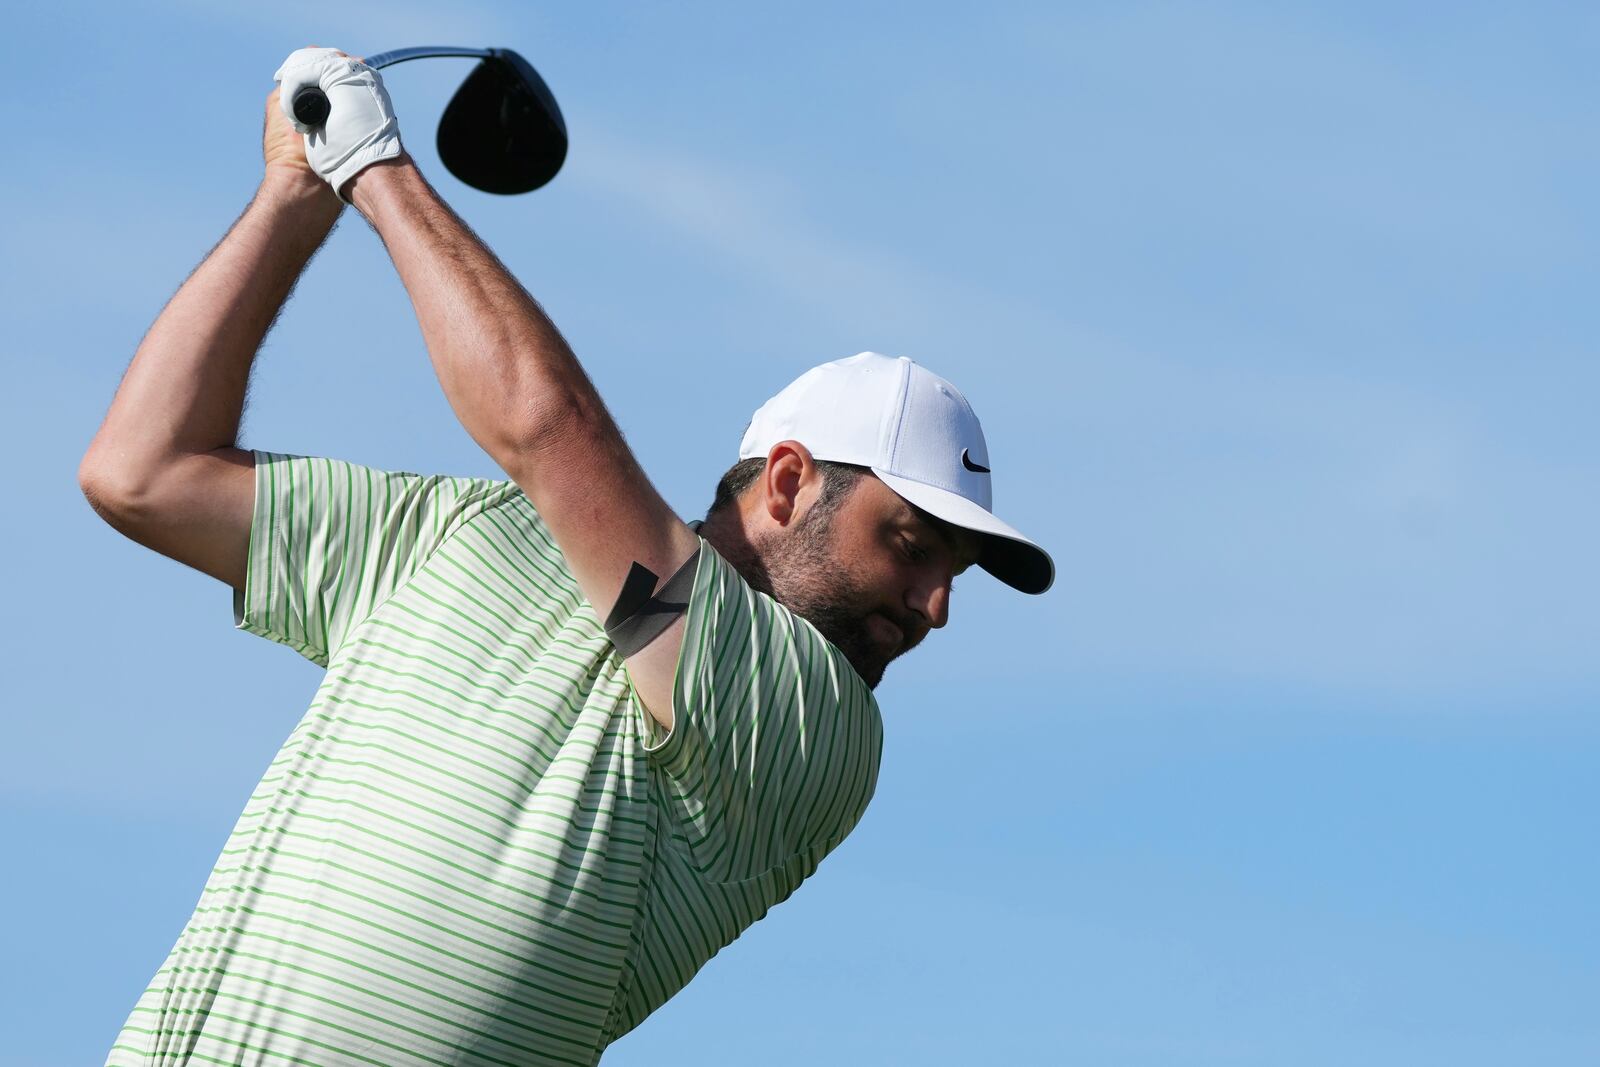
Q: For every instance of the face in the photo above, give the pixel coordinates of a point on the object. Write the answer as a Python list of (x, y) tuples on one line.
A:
[(873, 577)]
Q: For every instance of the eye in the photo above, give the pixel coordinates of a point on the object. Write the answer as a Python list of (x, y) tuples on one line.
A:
[(913, 551)]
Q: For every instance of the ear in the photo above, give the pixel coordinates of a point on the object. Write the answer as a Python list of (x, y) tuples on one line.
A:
[(788, 482)]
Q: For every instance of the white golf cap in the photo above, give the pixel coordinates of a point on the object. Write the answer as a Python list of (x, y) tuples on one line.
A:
[(917, 433)]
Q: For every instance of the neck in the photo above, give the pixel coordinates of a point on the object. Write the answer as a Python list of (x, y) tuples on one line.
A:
[(725, 531)]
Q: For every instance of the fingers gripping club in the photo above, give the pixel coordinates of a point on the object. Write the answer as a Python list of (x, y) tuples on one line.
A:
[(357, 127)]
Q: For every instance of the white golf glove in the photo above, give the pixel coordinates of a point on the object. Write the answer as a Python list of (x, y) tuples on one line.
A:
[(361, 127)]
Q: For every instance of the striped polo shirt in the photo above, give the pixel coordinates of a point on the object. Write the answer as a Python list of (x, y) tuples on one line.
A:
[(477, 847)]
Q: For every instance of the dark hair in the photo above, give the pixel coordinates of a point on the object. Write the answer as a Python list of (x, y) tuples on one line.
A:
[(837, 480)]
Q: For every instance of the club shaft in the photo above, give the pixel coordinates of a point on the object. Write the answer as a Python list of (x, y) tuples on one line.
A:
[(426, 51)]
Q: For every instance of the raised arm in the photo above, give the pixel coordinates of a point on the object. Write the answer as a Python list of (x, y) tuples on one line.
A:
[(164, 468), (519, 391)]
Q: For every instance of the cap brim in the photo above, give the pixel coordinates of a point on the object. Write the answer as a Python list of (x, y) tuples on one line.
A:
[(1007, 554)]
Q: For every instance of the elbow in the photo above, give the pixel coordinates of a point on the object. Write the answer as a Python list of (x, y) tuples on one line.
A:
[(561, 419), (98, 490), (112, 489), (556, 439)]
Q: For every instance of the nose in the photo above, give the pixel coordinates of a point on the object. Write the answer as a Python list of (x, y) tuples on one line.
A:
[(932, 602)]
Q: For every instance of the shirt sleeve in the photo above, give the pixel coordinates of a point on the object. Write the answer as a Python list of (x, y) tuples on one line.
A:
[(330, 541), (775, 741)]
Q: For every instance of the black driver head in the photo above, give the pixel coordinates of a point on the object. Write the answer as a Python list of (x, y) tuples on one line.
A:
[(502, 131)]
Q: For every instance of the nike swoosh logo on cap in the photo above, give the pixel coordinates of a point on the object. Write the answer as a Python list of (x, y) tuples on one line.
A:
[(966, 461)]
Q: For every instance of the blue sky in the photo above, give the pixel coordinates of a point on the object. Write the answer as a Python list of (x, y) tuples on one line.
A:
[(1280, 319)]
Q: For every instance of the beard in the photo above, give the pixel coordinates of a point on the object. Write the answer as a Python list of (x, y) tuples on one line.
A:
[(806, 574)]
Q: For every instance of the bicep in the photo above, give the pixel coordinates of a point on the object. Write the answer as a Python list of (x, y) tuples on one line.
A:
[(606, 516)]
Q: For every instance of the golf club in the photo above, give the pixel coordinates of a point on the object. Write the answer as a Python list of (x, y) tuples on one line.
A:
[(502, 132)]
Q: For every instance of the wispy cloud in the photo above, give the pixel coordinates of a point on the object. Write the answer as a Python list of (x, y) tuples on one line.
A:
[(758, 224)]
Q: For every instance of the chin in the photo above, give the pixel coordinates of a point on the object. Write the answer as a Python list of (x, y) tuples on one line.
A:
[(870, 667), (873, 675)]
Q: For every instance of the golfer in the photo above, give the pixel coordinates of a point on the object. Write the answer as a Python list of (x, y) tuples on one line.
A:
[(567, 746)]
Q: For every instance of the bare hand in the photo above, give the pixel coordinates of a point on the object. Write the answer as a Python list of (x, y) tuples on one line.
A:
[(283, 149)]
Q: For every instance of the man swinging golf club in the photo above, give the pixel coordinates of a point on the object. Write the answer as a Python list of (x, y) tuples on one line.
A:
[(567, 746)]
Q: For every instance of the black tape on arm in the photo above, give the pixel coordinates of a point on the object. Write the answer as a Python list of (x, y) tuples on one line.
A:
[(639, 617)]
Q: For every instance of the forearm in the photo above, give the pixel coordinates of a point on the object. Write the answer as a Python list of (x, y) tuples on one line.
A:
[(184, 392), (508, 373)]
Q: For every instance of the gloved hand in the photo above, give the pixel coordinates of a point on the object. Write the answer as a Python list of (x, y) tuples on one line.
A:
[(361, 127)]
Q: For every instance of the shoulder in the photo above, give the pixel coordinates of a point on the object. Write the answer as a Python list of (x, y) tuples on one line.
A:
[(737, 631)]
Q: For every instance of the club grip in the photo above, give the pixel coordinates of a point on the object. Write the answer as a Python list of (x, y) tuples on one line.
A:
[(311, 105)]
